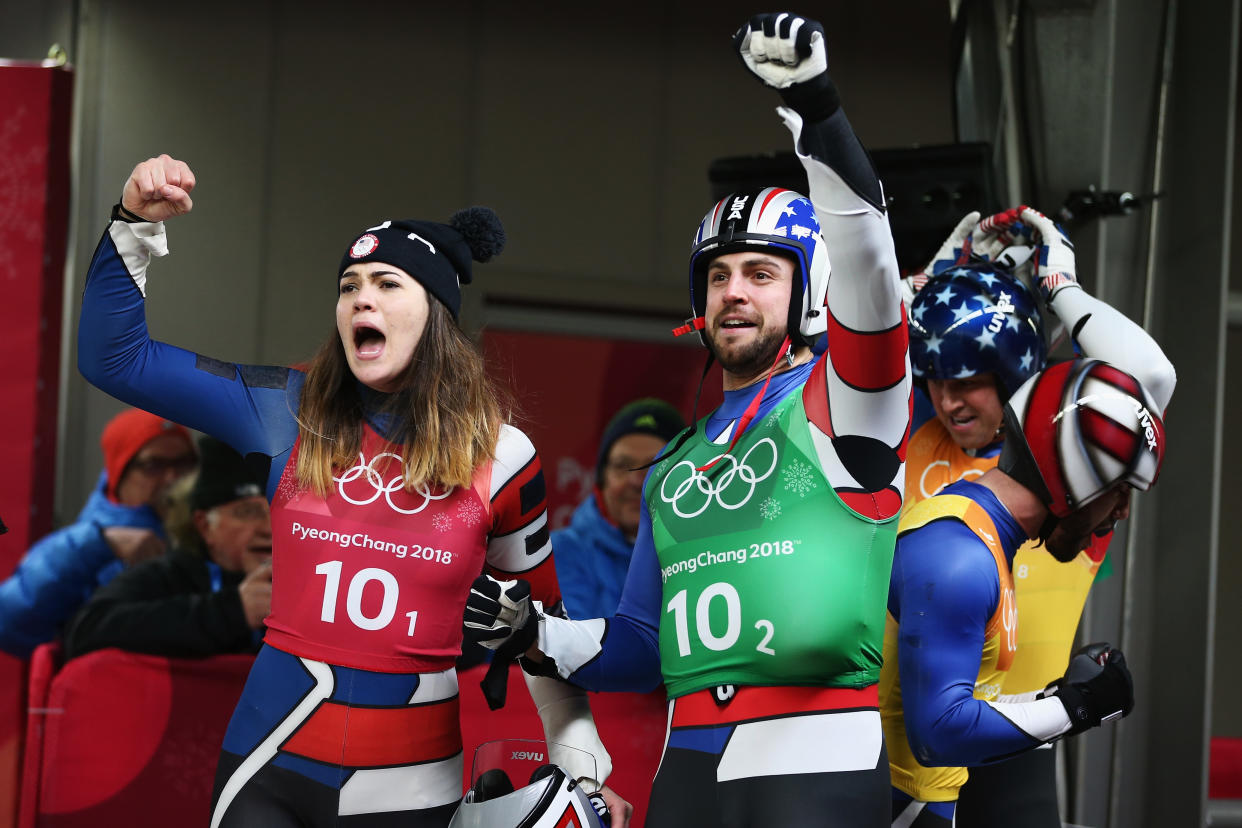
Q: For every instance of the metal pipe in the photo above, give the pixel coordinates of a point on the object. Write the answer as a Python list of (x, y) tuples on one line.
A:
[(1149, 279)]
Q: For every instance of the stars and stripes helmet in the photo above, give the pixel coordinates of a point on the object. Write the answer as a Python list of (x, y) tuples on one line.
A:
[(975, 319), (1079, 428), (762, 220)]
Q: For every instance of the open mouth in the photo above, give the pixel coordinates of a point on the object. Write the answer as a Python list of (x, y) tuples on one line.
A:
[(368, 342), (962, 422), (736, 324)]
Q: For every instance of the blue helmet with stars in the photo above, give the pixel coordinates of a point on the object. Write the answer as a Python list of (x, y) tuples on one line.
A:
[(975, 319), (773, 219)]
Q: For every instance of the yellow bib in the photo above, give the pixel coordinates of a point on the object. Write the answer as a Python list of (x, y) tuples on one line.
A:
[(1000, 642), (1050, 594)]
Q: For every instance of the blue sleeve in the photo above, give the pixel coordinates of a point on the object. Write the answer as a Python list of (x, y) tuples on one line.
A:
[(51, 582), (251, 408), (630, 655), (943, 591)]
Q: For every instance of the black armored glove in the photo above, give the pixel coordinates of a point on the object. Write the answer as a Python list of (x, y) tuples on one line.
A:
[(500, 616), (498, 612), (1096, 687), (787, 53)]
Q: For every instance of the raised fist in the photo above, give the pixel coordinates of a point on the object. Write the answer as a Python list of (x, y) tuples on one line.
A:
[(159, 188), (1096, 688), (782, 49)]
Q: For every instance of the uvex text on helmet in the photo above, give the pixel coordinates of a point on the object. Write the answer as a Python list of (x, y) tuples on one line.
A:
[(976, 319), (1079, 428)]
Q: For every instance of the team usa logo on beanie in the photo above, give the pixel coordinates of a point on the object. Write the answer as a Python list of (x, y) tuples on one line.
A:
[(365, 246)]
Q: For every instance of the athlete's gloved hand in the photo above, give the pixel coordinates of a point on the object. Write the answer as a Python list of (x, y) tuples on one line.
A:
[(954, 251), (1096, 687), (787, 53), (1054, 254), (159, 188), (498, 612), (500, 616)]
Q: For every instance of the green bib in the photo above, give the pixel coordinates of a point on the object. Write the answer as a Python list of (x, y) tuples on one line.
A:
[(768, 578)]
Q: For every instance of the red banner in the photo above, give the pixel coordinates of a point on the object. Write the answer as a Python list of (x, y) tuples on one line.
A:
[(34, 208), (568, 387)]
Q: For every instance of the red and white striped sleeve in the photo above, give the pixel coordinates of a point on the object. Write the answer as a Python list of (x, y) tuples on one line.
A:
[(858, 398), (518, 544)]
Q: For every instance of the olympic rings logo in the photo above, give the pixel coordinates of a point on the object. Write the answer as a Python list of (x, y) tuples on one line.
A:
[(396, 484), (716, 491)]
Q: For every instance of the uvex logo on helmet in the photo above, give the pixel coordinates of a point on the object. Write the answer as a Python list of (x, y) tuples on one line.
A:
[(976, 319), (1079, 428), (1148, 424)]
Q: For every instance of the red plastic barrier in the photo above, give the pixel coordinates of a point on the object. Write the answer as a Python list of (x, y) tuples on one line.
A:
[(1225, 769), (37, 101), (631, 725), (117, 738)]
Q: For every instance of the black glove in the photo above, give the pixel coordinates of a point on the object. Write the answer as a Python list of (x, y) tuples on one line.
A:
[(496, 611), (1096, 687), (500, 616), (787, 53)]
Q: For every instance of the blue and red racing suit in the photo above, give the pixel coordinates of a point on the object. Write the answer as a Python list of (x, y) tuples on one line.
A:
[(350, 714)]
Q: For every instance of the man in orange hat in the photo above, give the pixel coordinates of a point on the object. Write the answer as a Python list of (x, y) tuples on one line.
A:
[(121, 524)]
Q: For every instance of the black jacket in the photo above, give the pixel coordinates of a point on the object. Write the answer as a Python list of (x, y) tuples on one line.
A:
[(164, 606)]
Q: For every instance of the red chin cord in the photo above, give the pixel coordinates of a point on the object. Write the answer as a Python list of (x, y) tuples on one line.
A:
[(753, 408)]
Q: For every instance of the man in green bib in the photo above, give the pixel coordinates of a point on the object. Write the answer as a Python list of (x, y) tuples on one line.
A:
[(759, 579)]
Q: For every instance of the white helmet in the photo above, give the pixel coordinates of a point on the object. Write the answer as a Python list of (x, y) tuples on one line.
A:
[(551, 799), (1077, 429), (764, 219)]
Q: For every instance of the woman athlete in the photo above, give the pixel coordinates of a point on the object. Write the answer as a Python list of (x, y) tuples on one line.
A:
[(393, 481)]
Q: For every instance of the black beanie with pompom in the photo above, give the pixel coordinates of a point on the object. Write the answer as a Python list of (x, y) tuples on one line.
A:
[(437, 255)]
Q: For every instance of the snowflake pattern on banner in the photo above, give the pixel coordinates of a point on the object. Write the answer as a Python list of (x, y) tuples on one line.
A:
[(441, 522), (799, 478), (770, 508), (468, 512)]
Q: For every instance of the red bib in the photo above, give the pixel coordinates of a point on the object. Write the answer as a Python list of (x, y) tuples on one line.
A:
[(374, 576)]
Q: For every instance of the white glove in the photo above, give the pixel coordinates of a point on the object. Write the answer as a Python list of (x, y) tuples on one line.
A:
[(1054, 256), (782, 49), (954, 251)]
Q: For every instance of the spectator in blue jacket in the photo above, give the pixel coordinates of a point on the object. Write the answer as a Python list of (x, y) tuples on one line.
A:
[(592, 554), (119, 526), (210, 593)]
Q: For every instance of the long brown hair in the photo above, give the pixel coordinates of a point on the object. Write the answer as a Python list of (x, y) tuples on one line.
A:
[(446, 412)]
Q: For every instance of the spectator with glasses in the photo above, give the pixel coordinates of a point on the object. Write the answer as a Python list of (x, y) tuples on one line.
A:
[(203, 598), (121, 525), (592, 554)]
